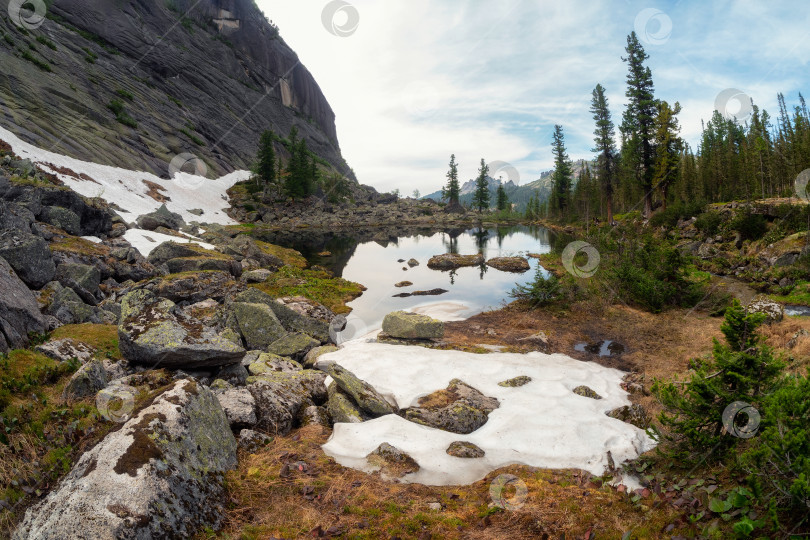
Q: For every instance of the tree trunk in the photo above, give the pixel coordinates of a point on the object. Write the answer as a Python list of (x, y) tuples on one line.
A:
[(610, 209)]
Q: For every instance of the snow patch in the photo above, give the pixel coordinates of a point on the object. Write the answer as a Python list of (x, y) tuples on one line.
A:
[(129, 190), (146, 241), (541, 424)]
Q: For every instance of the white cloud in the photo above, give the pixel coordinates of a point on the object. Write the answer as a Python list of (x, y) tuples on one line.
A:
[(421, 79)]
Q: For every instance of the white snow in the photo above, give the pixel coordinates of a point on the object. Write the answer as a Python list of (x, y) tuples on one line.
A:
[(145, 241), (541, 424), (128, 190)]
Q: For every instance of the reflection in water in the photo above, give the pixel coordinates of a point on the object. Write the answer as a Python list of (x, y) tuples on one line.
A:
[(370, 258)]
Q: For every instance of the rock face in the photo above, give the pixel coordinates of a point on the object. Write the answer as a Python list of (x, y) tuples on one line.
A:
[(159, 476), (451, 261), (405, 325), (773, 311), (509, 264), (459, 408), (235, 52), (151, 333), (19, 312)]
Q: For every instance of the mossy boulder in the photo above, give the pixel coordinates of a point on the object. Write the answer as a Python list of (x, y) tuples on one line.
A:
[(459, 408), (362, 393), (152, 332), (84, 279), (509, 264), (62, 218), (405, 325), (392, 461), (193, 287), (451, 261), (204, 264), (273, 363), (258, 325), (632, 414), (162, 217), (291, 320), (159, 476), (295, 345), (178, 250), (341, 407), (312, 356), (515, 382)]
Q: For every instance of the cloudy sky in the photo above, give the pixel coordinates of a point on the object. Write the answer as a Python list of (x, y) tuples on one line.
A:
[(412, 81)]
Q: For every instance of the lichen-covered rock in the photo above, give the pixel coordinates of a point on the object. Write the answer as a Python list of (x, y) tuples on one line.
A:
[(290, 319), (466, 450), (451, 261), (243, 247), (87, 381), (193, 287), (235, 374), (405, 325), (162, 217), (29, 256), (366, 397), (239, 406), (272, 363), (516, 382), (312, 356), (257, 276), (509, 264), (632, 414), (587, 392), (153, 332), (307, 307), (82, 278), (392, 461), (281, 396), (62, 218), (295, 345), (258, 324), (341, 407), (773, 311), (19, 312), (459, 408), (66, 349), (250, 440), (204, 264), (158, 476), (314, 415), (413, 262)]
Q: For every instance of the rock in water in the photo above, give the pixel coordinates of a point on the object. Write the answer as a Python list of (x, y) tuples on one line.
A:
[(451, 261), (159, 476), (19, 312), (405, 325), (509, 264), (152, 332)]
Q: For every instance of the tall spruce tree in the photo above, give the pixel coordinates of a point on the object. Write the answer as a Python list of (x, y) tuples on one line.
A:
[(502, 199), (605, 147), (638, 123), (668, 146), (452, 191), (481, 194), (266, 159), (562, 177)]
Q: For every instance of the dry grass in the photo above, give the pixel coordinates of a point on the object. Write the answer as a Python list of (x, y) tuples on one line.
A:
[(156, 191), (102, 337), (779, 336), (291, 489)]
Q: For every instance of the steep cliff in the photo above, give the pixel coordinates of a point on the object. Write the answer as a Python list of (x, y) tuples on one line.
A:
[(134, 83)]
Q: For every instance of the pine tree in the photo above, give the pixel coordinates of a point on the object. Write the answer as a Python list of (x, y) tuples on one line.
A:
[(481, 194), (452, 191), (668, 146), (605, 146), (502, 198), (638, 123), (563, 173), (266, 159)]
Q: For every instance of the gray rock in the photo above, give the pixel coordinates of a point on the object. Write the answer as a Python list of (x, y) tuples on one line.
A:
[(516, 382), (239, 406), (281, 396), (587, 392), (235, 374), (243, 247), (314, 415), (342, 408), (295, 345), (273, 363), (362, 393), (158, 476), (258, 324), (632, 414), (773, 311), (152, 332), (14, 216), (19, 311), (392, 461), (257, 276), (250, 440), (466, 450), (250, 357), (313, 355), (203, 264), (509, 264), (82, 278), (87, 381), (451, 261), (161, 217), (29, 256), (459, 408), (405, 325), (62, 218), (413, 262), (66, 349), (291, 320)]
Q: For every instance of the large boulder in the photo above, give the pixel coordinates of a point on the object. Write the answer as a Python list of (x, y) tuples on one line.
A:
[(405, 325), (362, 393), (152, 332), (14, 216), (162, 217), (82, 278), (89, 379), (290, 319), (239, 407), (451, 261), (280, 397), (295, 345), (19, 312), (258, 324), (773, 311), (342, 408), (459, 408), (158, 476), (64, 219), (509, 264), (29, 256), (243, 247), (193, 287), (204, 264)]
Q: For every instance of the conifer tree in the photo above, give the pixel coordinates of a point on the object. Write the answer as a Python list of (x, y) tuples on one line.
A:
[(452, 191), (668, 146), (563, 173), (266, 159), (605, 146), (502, 199), (481, 194)]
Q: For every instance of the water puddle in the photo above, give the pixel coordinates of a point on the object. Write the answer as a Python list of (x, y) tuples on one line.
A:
[(797, 311), (602, 348)]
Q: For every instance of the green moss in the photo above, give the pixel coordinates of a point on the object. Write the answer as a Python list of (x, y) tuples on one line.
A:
[(102, 337), (79, 246), (330, 291)]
